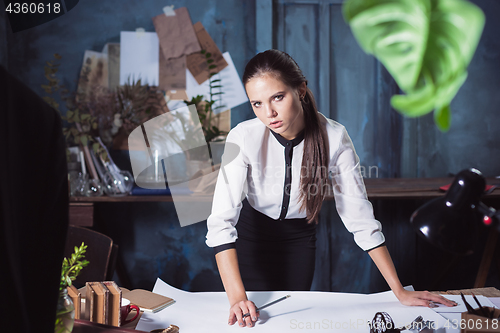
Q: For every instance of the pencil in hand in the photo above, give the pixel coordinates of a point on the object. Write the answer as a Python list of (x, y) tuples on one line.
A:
[(266, 305)]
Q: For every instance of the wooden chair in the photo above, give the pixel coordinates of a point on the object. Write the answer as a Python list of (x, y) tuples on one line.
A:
[(101, 254)]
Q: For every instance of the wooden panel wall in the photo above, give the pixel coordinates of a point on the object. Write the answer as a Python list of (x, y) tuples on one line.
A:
[(355, 89)]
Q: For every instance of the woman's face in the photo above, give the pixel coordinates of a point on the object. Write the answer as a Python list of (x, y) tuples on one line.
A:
[(277, 105)]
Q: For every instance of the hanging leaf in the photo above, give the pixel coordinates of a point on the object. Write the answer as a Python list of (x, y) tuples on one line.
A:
[(426, 45), (442, 118)]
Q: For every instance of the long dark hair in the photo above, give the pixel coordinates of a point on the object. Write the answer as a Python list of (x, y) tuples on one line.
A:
[(315, 160)]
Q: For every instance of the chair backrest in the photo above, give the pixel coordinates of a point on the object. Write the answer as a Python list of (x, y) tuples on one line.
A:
[(100, 253)]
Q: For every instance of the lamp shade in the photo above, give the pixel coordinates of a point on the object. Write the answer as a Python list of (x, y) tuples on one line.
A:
[(450, 223)]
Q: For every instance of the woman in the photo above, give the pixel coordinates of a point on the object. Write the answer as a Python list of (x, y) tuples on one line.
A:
[(288, 155)]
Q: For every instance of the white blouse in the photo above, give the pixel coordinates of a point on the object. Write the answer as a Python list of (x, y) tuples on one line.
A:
[(259, 173)]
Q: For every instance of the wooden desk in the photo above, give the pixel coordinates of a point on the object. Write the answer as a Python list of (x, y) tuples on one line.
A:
[(487, 292), (83, 326)]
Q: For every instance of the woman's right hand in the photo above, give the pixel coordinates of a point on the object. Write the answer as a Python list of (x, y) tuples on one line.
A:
[(240, 308)]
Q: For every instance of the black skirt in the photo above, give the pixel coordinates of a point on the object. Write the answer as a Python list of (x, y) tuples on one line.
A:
[(275, 255)]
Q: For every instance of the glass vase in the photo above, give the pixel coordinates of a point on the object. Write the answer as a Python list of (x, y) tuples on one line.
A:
[(118, 183), (65, 315)]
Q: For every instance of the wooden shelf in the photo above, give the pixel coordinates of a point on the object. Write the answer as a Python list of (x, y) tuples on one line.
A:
[(376, 188)]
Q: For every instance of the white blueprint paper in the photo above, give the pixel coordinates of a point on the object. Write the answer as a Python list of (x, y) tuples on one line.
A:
[(484, 301), (303, 311)]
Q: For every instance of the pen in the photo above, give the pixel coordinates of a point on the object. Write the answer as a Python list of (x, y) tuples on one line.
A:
[(467, 305), (483, 310), (266, 305)]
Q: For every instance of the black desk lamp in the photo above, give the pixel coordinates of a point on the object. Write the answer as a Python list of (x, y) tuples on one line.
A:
[(451, 222)]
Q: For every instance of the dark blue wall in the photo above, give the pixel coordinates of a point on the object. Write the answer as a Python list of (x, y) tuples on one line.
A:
[(151, 241)]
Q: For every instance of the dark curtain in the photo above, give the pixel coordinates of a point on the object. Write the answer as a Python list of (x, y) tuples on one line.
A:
[(33, 208)]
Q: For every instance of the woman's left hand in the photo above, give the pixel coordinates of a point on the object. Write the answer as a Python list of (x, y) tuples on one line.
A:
[(422, 298)]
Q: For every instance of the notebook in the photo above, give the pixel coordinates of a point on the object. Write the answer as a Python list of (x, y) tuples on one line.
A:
[(148, 301)]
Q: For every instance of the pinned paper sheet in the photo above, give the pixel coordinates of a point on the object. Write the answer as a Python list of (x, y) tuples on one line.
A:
[(113, 52), (233, 91), (172, 73), (197, 62), (139, 57), (94, 73), (176, 34)]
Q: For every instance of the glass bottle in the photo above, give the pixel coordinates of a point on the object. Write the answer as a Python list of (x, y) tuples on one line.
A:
[(65, 315)]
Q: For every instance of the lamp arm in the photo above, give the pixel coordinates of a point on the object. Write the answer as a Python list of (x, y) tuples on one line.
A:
[(491, 215)]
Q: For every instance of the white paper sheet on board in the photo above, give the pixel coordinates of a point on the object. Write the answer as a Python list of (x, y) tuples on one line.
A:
[(484, 301), (321, 311), (233, 91), (139, 57)]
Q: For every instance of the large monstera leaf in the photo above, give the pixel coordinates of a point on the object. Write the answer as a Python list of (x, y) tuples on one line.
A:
[(426, 45)]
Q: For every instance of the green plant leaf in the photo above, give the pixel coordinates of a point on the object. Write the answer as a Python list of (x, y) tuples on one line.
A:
[(220, 107), (208, 55), (426, 45), (212, 66), (442, 118), (84, 140)]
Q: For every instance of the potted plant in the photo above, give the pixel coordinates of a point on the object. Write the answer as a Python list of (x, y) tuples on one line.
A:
[(71, 267), (214, 137)]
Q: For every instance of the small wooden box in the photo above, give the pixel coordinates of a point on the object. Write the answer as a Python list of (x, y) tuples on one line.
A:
[(472, 323)]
